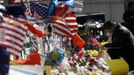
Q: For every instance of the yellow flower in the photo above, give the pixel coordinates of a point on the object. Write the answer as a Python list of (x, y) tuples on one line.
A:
[(93, 53), (92, 73), (103, 43), (103, 52)]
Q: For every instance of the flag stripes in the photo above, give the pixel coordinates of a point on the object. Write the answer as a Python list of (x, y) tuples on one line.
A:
[(14, 35), (71, 22), (60, 27)]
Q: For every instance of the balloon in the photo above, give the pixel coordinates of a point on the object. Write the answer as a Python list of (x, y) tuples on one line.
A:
[(52, 7), (69, 3), (58, 55), (55, 2)]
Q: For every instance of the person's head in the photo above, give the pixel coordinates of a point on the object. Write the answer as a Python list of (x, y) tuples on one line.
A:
[(109, 28), (130, 6)]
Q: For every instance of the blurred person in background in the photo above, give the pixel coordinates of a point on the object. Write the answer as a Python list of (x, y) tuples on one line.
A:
[(122, 42), (128, 17)]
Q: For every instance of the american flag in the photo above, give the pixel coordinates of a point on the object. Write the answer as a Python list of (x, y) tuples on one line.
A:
[(14, 35), (39, 10), (37, 16), (61, 28), (71, 22), (67, 26), (64, 21)]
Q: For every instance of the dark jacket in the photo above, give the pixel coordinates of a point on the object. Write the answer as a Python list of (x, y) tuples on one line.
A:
[(122, 45), (4, 61)]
